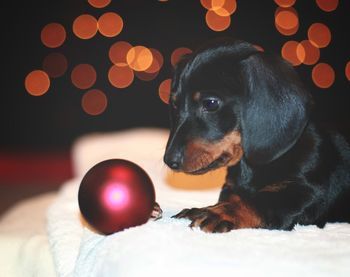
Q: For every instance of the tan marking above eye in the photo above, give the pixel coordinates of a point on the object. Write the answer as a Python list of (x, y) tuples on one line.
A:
[(196, 96)]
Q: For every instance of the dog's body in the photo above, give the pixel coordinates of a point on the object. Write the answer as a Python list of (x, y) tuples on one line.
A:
[(232, 105)]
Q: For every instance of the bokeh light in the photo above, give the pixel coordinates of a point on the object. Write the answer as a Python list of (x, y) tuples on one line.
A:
[(83, 76), (85, 26), (217, 22), (319, 35), (94, 102), (178, 53), (327, 5), (157, 62), (286, 18), (347, 70), (53, 35), (308, 53), (323, 75), (289, 52), (55, 65), (110, 24), (120, 76), (99, 3), (145, 76), (37, 83), (285, 3), (139, 58), (118, 51), (164, 90), (224, 7)]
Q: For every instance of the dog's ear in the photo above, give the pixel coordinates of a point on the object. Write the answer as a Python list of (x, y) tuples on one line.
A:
[(275, 110)]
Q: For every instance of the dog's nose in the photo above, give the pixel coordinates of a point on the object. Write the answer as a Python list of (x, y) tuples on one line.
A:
[(173, 161)]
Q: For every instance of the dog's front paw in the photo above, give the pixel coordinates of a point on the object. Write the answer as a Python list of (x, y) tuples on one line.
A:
[(222, 217), (157, 212)]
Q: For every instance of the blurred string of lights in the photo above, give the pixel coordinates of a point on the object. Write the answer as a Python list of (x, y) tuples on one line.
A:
[(128, 61)]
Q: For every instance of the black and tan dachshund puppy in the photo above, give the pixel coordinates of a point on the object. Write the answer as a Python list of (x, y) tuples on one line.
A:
[(234, 106)]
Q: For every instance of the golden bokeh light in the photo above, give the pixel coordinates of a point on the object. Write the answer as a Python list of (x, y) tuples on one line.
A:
[(327, 5), (83, 76), (308, 53), (156, 64), (120, 76), (139, 58), (85, 26), (286, 18), (224, 7), (323, 75), (110, 24), (53, 35), (178, 53), (289, 52), (347, 70), (37, 83), (217, 22), (55, 65), (118, 51), (164, 90), (99, 3), (319, 35), (94, 102), (285, 3)]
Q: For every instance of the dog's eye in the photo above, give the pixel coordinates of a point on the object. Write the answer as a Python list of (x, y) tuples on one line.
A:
[(210, 104)]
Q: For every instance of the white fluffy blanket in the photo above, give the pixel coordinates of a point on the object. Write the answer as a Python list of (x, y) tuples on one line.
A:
[(168, 247)]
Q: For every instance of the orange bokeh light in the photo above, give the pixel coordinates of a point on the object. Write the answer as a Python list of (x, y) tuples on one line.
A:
[(83, 76), (217, 22), (37, 82), (327, 5), (164, 90), (139, 58), (55, 65), (99, 3), (308, 53), (85, 26), (206, 4), (323, 75), (289, 52), (157, 63), (285, 3), (94, 102), (120, 76), (286, 18), (110, 24), (118, 51), (319, 35), (224, 7), (178, 53), (347, 70), (53, 35)]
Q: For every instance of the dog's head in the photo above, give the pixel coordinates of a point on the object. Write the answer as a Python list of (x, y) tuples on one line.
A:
[(229, 102)]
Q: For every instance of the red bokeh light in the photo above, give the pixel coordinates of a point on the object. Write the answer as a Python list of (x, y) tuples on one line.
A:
[(53, 35), (55, 65), (323, 75), (83, 76), (118, 51), (327, 5), (120, 76), (99, 3), (164, 90), (178, 53), (94, 102), (319, 35)]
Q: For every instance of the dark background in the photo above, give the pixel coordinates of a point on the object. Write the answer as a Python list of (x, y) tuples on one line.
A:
[(56, 119)]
